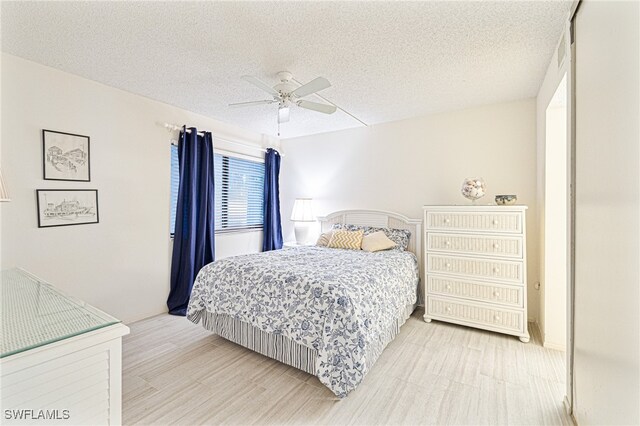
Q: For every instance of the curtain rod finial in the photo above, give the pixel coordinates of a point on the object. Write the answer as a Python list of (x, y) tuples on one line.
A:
[(172, 127)]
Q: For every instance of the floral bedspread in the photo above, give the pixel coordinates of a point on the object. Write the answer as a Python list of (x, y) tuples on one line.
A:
[(340, 302)]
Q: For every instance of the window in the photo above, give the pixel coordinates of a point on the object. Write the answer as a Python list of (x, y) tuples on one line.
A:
[(239, 186)]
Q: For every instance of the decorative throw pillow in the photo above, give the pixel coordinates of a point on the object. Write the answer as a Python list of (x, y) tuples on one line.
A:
[(398, 236), (346, 239), (377, 241), (323, 239)]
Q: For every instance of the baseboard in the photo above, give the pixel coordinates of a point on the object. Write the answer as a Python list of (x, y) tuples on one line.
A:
[(549, 345), (567, 409), (554, 346), (141, 317)]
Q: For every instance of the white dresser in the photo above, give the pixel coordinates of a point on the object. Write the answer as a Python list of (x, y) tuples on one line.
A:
[(60, 358), (476, 267)]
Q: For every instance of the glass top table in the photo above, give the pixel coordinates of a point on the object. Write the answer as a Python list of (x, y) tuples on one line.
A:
[(34, 313)]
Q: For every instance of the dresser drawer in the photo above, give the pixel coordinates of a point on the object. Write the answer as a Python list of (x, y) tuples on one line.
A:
[(475, 315), (511, 296), (491, 245), (500, 270), (496, 222)]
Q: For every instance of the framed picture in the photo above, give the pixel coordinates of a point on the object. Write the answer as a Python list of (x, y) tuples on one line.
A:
[(62, 207), (65, 156)]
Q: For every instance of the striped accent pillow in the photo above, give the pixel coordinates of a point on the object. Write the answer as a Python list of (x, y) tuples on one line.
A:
[(346, 239)]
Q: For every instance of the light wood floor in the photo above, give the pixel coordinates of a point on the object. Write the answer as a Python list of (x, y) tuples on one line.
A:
[(175, 372)]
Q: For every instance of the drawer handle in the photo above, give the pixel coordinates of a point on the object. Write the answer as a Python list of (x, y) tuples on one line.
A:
[(496, 317), (496, 270), (448, 286), (495, 221), (447, 220), (448, 309), (447, 265), (496, 293), (496, 246), (447, 243)]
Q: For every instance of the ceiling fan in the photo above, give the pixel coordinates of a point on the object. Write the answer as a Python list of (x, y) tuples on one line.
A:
[(287, 93)]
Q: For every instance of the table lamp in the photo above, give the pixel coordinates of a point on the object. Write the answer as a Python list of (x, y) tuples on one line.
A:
[(302, 216)]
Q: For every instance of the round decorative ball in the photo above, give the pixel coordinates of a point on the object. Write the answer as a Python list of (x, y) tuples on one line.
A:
[(473, 188)]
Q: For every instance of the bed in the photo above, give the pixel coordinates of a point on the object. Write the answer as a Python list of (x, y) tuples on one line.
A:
[(329, 312)]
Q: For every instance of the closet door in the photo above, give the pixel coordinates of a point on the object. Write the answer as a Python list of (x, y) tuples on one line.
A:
[(607, 213)]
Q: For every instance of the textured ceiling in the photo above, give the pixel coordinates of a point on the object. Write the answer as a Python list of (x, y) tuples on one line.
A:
[(386, 60)]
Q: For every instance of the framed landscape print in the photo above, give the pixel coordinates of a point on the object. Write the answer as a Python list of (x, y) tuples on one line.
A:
[(65, 156), (61, 207)]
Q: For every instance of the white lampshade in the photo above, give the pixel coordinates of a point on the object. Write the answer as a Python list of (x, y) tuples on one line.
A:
[(4, 193), (302, 210)]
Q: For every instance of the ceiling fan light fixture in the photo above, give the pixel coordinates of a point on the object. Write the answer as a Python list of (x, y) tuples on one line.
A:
[(289, 92), (283, 114)]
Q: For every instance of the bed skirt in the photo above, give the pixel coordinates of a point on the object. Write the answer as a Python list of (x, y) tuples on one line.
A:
[(279, 347), (276, 346)]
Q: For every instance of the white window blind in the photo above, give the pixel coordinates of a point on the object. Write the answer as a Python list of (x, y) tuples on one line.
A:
[(175, 182), (239, 186)]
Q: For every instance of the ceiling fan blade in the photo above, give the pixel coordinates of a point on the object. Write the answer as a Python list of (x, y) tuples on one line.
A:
[(244, 104), (283, 114), (313, 86), (261, 84), (315, 106)]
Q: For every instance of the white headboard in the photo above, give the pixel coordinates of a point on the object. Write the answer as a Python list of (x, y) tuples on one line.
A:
[(379, 219)]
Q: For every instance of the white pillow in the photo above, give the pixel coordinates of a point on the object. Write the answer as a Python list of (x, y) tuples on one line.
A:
[(377, 241), (323, 239)]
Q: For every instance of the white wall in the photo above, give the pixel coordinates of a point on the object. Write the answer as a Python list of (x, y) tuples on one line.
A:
[(607, 246), (554, 279), (120, 265), (402, 165), (553, 228)]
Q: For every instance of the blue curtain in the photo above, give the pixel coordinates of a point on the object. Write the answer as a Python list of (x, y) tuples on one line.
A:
[(194, 237), (272, 223)]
